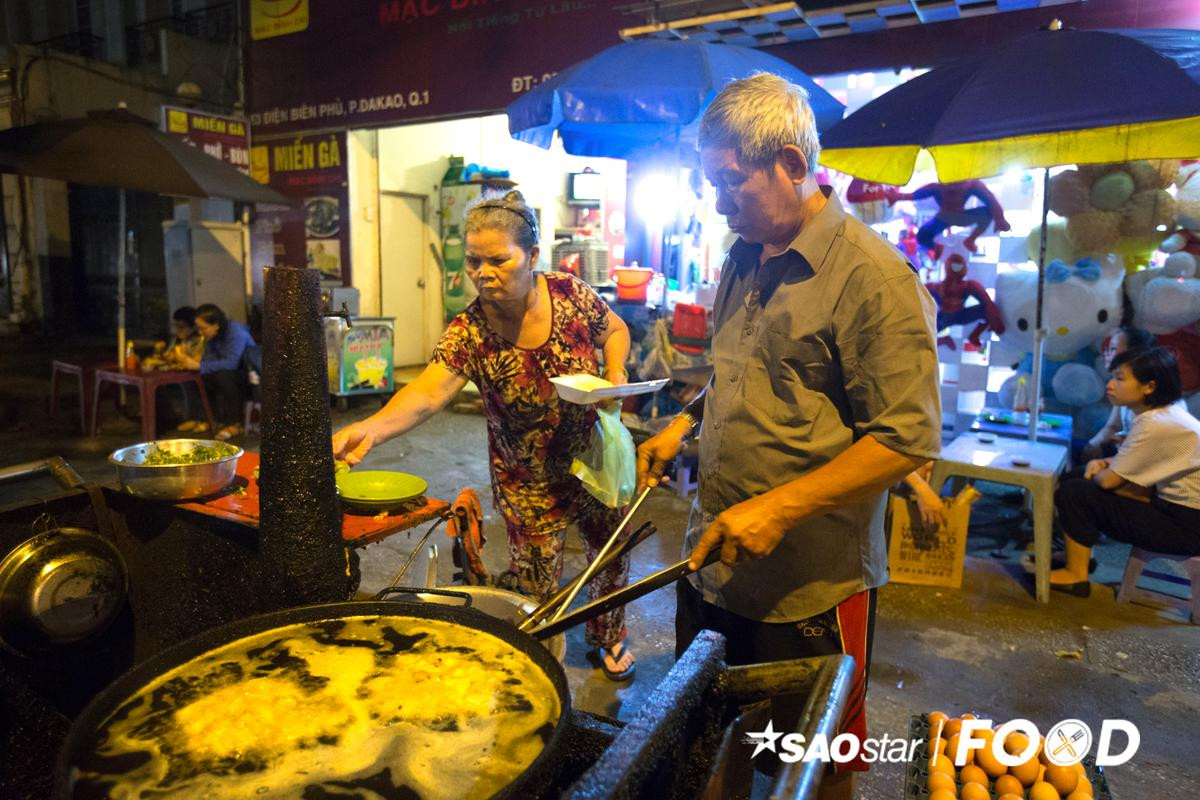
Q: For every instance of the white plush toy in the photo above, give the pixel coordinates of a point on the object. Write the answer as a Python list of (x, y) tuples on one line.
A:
[(1166, 302), (1082, 304), (1184, 243), (1167, 298)]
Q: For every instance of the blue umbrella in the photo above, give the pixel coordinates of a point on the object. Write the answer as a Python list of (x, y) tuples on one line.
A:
[(645, 95)]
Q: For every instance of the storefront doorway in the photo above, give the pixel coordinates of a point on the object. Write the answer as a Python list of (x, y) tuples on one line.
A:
[(403, 287)]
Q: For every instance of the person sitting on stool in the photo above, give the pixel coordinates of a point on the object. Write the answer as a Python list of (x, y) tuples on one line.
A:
[(225, 342), (1148, 494)]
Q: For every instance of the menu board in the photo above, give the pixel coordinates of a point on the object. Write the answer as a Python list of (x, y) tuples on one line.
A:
[(315, 232)]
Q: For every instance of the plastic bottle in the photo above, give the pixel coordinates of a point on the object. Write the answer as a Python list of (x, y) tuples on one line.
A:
[(453, 289), (131, 359), (454, 173)]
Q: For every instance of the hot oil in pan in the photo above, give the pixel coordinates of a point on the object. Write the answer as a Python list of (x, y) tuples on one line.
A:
[(394, 707)]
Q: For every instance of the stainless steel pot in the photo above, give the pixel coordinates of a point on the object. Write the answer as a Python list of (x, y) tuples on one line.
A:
[(59, 587), (173, 481)]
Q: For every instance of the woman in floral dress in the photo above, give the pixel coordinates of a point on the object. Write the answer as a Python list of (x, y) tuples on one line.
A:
[(525, 328)]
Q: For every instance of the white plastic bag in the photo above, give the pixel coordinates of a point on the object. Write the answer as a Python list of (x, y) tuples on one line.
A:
[(608, 467)]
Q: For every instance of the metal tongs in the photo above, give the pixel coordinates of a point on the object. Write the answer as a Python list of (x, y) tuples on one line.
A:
[(664, 577), (561, 601)]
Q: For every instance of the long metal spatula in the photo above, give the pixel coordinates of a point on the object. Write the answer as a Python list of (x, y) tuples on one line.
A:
[(664, 577)]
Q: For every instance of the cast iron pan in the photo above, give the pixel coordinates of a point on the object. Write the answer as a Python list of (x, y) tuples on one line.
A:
[(538, 774)]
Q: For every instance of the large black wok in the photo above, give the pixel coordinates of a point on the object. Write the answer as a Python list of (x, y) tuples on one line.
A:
[(84, 731)]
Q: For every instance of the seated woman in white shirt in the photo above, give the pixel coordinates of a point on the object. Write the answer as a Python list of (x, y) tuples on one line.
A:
[(1148, 494), (1108, 438)]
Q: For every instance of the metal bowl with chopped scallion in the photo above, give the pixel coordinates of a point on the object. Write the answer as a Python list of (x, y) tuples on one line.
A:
[(176, 469)]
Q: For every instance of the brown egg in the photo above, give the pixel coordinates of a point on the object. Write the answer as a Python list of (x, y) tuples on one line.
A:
[(1082, 770), (1078, 795), (1016, 743), (937, 747), (986, 759), (1064, 779), (942, 794), (941, 764), (953, 726), (952, 750), (940, 780), (1026, 772), (936, 717), (1083, 787), (1011, 796), (1043, 791), (1009, 784), (969, 716), (974, 791), (971, 773)]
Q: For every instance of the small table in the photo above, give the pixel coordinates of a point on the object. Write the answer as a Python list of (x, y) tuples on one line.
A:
[(239, 503), (1053, 428), (147, 384), (969, 457)]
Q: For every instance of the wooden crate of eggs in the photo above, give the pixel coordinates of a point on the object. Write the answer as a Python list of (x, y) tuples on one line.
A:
[(932, 775)]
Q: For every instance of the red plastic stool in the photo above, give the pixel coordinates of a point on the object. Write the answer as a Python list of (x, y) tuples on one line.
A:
[(689, 332)]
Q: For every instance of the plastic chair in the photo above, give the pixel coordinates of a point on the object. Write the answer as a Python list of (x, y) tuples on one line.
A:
[(1136, 565)]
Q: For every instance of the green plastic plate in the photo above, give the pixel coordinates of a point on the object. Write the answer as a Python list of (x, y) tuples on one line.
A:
[(379, 486)]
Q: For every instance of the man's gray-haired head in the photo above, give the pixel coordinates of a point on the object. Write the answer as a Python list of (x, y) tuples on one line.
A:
[(757, 117)]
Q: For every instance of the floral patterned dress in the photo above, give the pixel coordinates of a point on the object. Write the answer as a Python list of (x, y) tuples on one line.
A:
[(533, 436)]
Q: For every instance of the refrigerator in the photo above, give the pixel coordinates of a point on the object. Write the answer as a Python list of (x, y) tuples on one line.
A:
[(359, 352)]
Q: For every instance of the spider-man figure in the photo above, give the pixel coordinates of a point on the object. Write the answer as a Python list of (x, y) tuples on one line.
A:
[(951, 294), (951, 199)]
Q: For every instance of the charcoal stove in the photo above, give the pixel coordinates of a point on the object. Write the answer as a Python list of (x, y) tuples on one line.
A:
[(189, 572)]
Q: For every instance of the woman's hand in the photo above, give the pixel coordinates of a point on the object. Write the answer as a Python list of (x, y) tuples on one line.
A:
[(617, 376), (1095, 467), (353, 442), (931, 507)]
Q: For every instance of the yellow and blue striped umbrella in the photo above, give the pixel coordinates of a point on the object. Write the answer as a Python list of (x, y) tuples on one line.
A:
[(1046, 98)]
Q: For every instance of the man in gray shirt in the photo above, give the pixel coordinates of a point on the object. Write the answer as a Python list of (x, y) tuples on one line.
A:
[(824, 393)]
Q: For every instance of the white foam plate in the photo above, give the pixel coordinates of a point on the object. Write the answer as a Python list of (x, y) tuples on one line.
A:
[(584, 389)]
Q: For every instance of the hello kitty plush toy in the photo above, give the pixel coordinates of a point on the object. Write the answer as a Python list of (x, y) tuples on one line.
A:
[(1082, 304)]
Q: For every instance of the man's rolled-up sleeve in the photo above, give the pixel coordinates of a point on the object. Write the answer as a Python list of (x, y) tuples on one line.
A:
[(888, 350)]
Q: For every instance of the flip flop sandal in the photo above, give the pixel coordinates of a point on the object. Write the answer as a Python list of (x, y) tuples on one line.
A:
[(228, 432), (616, 655)]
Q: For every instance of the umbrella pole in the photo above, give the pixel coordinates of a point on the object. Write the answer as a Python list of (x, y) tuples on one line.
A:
[(121, 282), (1039, 335)]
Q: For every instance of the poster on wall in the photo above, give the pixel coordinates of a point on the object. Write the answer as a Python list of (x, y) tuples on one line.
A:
[(315, 231), (412, 59), (222, 137)]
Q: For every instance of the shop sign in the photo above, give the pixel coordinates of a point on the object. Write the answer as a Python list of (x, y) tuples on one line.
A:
[(315, 232), (269, 18), (224, 138), (379, 62)]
